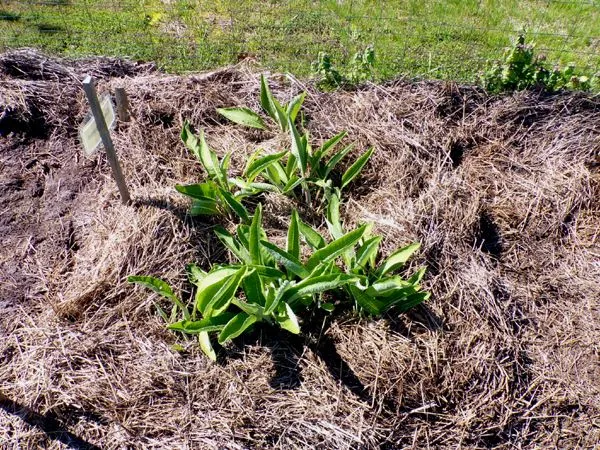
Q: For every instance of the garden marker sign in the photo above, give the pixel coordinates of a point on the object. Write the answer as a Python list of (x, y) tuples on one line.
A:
[(89, 134), (103, 117)]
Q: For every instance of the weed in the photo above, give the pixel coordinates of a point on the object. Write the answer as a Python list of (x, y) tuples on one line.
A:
[(521, 69), (360, 69)]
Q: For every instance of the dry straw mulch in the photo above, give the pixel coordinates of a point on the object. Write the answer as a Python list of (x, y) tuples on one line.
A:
[(503, 193)]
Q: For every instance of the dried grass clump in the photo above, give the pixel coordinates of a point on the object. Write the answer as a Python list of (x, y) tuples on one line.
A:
[(502, 192)]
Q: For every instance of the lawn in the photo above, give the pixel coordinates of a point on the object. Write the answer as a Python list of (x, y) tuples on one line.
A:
[(432, 39)]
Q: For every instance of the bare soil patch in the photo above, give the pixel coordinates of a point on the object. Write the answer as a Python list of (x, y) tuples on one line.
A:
[(502, 192)]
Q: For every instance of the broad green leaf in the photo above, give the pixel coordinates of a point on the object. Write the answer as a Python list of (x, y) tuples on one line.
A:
[(206, 207), (160, 287), (335, 248), (200, 149), (251, 188), (200, 191), (292, 183), (329, 307), (336, 158), (210, 285), (251, 309), (293, 236), (287, 319), (236, 206), (243, 116), (293, 107), (220, 176), (315, 285), (207, 324), (233, 245), (298, 148), (190, 140), (328, 146), (291, 166), (275, 173), (274, 298), (271, 106), (225, 163), (398, 258), (195, 273), (255, 235), (416, 278), (206, 346), (221, 299), (367, 253), (264, 187), (333, 215), (236, 326), (260, 164), (267, 271), (370, 304), (412, 301), (156, 284), (253, 289), (355, 168), (312, 236), (266, 99), (388, 286), (290, 262)]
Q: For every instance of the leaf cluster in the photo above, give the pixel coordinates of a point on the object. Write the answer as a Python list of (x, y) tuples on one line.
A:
[(360, 69), (520, 68), (269, 283)]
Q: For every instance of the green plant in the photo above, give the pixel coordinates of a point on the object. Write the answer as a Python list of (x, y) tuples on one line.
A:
[(274, 285), (220, 194), (379, 289), (306, 167), (282, 115), (520, 69), (269, 284), (359, 69)]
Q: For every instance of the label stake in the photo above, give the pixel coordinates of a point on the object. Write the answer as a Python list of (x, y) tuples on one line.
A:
[(122, 104), (92, 96)]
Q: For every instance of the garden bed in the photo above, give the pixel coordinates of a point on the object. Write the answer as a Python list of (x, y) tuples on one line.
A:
[(502, 192)]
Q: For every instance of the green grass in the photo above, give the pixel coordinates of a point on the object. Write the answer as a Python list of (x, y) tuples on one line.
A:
[(448, 39)]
